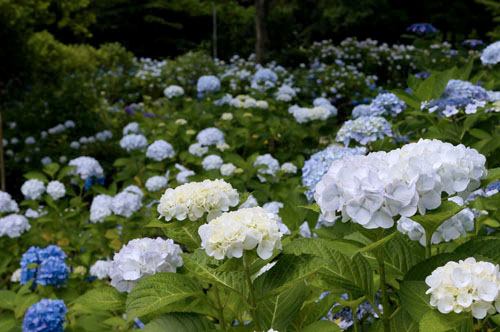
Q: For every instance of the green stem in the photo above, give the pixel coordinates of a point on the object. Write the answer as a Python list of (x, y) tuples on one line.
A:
[(428, 246), (253, 302), (354, 317), (383, 290), (220, 309)]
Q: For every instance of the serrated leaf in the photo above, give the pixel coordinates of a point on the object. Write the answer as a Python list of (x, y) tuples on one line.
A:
[(105, 298), (277, 312), (156, 291), (179, 322), (316, 247), (481, 246), (322, 326), (184, 232), (378, 244), (414, 299), (438, 322)]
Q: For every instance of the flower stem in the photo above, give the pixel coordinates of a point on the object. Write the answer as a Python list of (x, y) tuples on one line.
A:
[(428, 246), (383, 290), (220, 309), (253, 304)]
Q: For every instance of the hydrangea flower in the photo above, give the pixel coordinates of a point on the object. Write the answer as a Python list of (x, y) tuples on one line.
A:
[(227, 169), (325, 103), (100, 208), (196, 149), (127, 202), (50, 269), (210, 136), (173, 91), (212, 161), (100, 269), (272, 166), (289, 168), (318, 165), (132, 142), (274, 207), (244, 229), (361, 110), (56, 190), (141, 258), (33, 189), (47, 315), (421, 28), (387, 104), (364, 129), (370, 190), (160, 150), (7, 204), (465, 286), (14, 225), (182, 176), (156, 183), (208, 83), (131, 128), (192, 200), (265, 74), (304, 114), (491, 54), (86, 167)]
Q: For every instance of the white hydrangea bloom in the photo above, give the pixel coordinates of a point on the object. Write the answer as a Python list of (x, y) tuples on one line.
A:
[(131, 128), (173, 91), (226, 116), (272, 166), (7, 204), (227, 169), (193, 199), (56, 190), (210, 136), (16, 276), (304, 114), (262, 104), (127, 202), (14, 225), (30, 213), (274, 207), (33, 189), (197, 149), (464, 287), (141, 258), (212, 161), (86, 167), (250, 202), (100, 208), (100, 269), (133, 142), (289, 168), (156, 183), (244, 229), (372, 189), (160, 150), (46, 161)]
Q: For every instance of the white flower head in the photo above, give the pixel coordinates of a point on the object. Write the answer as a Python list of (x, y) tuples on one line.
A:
[(7, 204), (212, 161), (14, 225), (56, 190), (33, 189), (132, 142), (244, 229), (100, 269), (86, 167), (100, 208), (160, 150), (156, 183), (227, 169)]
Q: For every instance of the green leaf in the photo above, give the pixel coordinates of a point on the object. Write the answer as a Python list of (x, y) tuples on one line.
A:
[(9, 325), (402, 322), (414, 299), (424, 268), (438, 322), (493, 175), (184, 232), (322, 326), (426, 89), (434, 218), (51, 169), (204, 267), (23, 303), (36, 175), (379, 243), (65, 171), (179, 322), (278, 312), (156, 291), (471, 120), (315, 247), (105, 298), (496, 319), (7, 299), (410, 99), (481, 246), (466, 71), (313, 207), (480, 134), (121, 162)]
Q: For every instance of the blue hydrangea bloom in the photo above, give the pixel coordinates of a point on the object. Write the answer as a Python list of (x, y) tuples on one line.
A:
[(93, 180), (422, 28), (361, 110), (491, 54), (422, 75), (464, 89), (318, 165), (265, 74), (325, 103), (472, 42), (364, 129), (208, 83), (45, 316), (387, 104), (53, 271), (50, 269)]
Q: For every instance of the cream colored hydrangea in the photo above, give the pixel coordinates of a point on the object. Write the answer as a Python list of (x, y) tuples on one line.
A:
[(250, 228), (192, 200), (465, 286)]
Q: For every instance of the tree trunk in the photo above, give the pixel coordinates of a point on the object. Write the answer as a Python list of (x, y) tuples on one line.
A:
[(261, 12)]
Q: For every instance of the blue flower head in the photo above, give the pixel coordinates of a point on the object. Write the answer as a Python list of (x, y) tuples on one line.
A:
[(93, 180), (208, 83), (265, 74), (49, 266), (387, 104), (31, 256), (422, 28), (45, 316), (53, 271)]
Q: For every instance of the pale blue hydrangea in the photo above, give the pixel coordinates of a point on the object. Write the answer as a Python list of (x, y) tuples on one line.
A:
[(160, 150), (387, 104), (212, 161), (271, 164), (318, 165), (133, 142), (361, 110), (47, 315), (364, 129), (491, 54), (463, 89), (173, 91), (14, 225), (156, 183), (265, 74), (131, 128), (208, 83), (325, 103), (210, 136), (86, 167)]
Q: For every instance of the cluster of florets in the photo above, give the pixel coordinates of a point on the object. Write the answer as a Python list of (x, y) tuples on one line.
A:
[(387, 104), (364, 129), (45, 266)]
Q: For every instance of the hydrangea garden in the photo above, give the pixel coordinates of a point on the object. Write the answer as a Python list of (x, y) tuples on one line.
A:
[(355, 191)]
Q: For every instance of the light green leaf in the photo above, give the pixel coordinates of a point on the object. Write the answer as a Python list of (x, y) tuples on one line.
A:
[(378, 244), (322, 326), (7, 299), (9, 325), (65, 171), (434, 218), (105, 298), (426, 89), (414, 299), (159, 290), (313, 207), (493, 175), (179, 322), (438, 322), (36, 175), (51, 169)]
